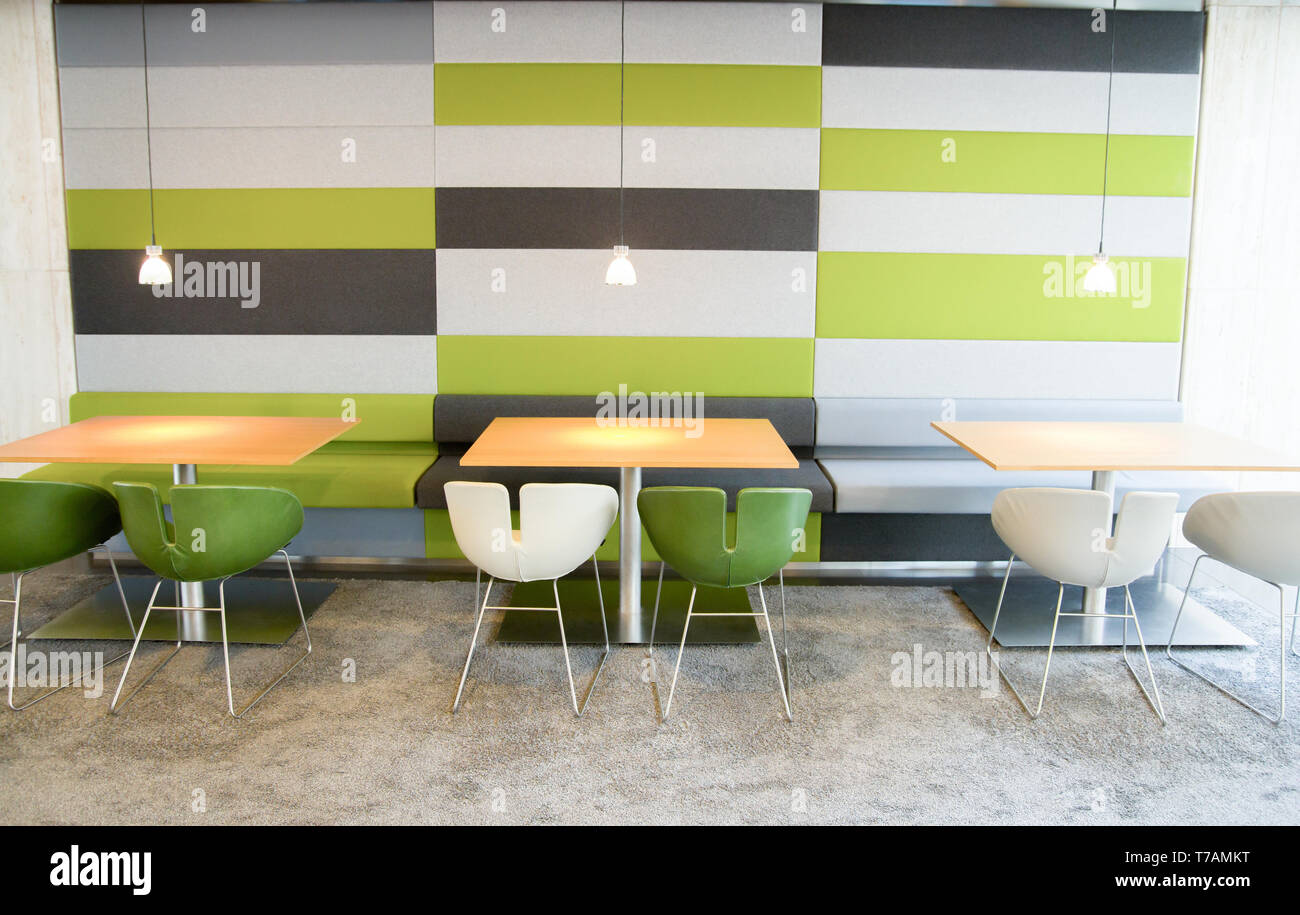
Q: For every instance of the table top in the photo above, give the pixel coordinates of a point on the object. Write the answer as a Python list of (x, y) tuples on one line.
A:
[(178, 440), (547, 441), (1110, 446)]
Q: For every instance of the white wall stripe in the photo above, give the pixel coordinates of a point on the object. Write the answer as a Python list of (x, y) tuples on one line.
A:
[(678, 293), (316, 95), (905, 98), (946, 223), (250, 364), (101, 96), (787, 34), (996, 368), (533, 156), (735, 157), (526, 32), (103, 158)]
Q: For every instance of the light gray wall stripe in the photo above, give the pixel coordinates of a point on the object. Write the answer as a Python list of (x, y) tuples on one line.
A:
[(725, 33), (98, 36), (101, 96), (105, 158), (1056, 101), (945, 223), (678, 293), (550, 32), (276, 33), (249, 364), (534, 156), (996, 368), (735, 157), (317, 95)]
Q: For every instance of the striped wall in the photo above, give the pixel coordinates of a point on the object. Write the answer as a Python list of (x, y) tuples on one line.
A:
[(832, 199)]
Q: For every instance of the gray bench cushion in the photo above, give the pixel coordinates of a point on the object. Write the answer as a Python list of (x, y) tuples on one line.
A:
[(461, 418), (845, 423), (969, 487), (429, 493)]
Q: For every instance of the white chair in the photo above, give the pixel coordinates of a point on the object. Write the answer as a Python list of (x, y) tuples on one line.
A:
[(560, 527), (1259, 534), (1062, 534)]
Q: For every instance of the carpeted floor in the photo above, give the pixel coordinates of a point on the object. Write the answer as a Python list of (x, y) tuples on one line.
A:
[(863, 748)]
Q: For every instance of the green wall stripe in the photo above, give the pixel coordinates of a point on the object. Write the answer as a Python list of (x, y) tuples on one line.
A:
[(525, 93), (994, 297), (246, 218), (717, 95), (440, 542), (718, 366), (1007, 163)]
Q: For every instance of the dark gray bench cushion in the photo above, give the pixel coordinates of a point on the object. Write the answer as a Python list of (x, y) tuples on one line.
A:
[(429, 493), (461, 418)]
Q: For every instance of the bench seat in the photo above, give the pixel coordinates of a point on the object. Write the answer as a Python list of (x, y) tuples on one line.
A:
[(968, 486), (339, 475)]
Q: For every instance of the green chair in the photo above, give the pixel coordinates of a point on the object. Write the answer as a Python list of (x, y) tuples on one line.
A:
[(688, 527), (223, 530), (44, 522)]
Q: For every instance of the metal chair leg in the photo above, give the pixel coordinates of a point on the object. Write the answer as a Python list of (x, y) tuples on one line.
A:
[(988, 646), (600, 597), (473, 641), (1295, 617), (564, 644), (681, 649), (650, 648), (225, 645), (1169, 652), (785, 644), (776, 661), (1131, 613), (115, 705)]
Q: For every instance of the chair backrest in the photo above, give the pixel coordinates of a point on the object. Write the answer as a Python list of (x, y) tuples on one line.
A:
[(1142, 529), (1065, 533), (480, 522), (688, 527), (1256, 532), (43, 521), (218, 531), (561, 525)]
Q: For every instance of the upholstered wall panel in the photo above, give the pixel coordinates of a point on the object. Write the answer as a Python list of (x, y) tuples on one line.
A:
[(848, 199)]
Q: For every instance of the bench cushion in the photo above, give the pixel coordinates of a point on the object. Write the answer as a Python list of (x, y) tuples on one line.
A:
[(381, 417), (960, 486), (808, 475), (340, 475), (461, 418)]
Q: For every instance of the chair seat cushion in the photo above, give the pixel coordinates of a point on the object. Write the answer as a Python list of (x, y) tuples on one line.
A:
[(808, 475), (340, 475), (964, 486)]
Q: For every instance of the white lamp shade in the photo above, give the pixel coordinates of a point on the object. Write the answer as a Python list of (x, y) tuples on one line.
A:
[(620, 272), (155, 271), (1100, 276)]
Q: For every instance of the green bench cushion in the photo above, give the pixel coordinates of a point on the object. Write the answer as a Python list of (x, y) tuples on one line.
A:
[(340, 475), (380, 417)]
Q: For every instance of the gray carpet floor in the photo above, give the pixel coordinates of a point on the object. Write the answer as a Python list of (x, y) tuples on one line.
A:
[(862, 747)]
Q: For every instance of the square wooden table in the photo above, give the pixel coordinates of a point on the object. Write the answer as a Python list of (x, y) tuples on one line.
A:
[(184, 442), (1103, 448), (591, 442)]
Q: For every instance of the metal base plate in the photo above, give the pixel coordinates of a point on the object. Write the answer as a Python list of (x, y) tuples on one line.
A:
[(582, 623), (1027, 614), (259, 611)]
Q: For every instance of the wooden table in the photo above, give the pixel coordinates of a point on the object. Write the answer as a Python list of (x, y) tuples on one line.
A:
[(184, 442), (1103, 448), (590, 442)]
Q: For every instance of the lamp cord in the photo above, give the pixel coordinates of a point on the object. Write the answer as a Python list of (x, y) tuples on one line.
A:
[(1110, 83), (148, 138), (622, 61)]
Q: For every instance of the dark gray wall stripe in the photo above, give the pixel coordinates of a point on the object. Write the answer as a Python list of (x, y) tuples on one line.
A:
[(97, 36), (658, 218), (999, 38), (301, 292), (291, 33)]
